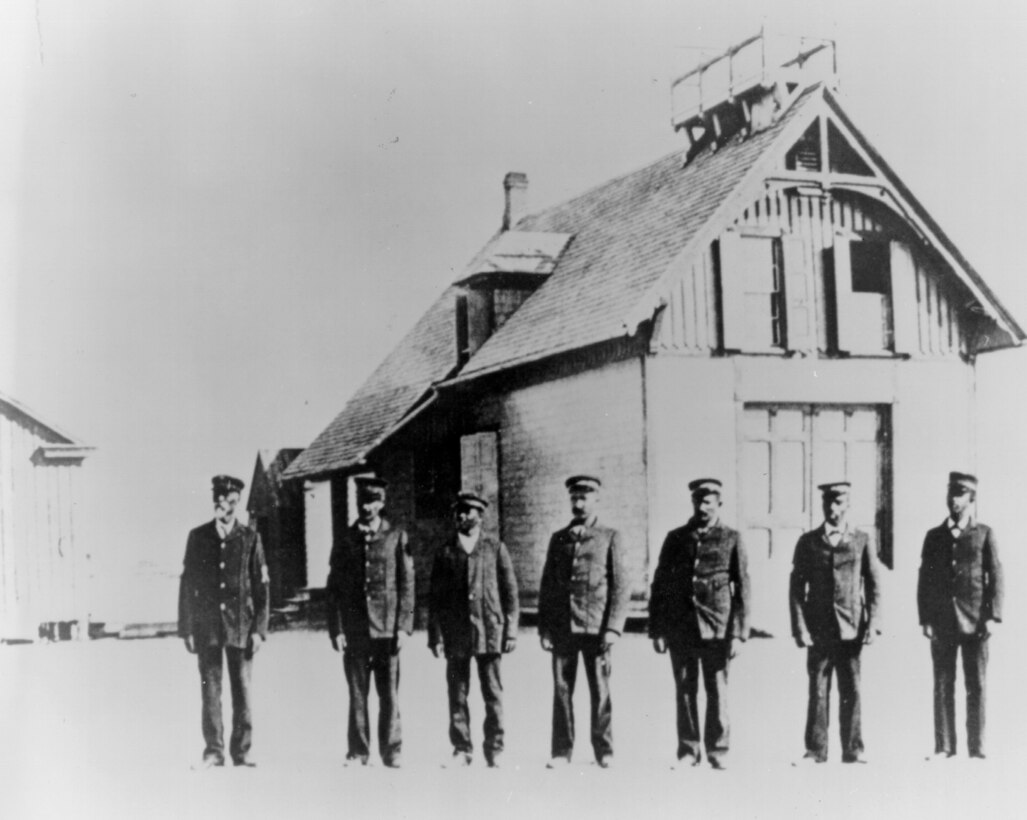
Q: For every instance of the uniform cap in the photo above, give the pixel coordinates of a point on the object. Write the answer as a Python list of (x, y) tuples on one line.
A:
[(371, 486), (964, 481), (583, 482), (705, 486), (835, 488), (225, 484), (468, 499)]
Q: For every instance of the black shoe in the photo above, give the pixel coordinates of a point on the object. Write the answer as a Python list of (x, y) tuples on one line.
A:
[(494, 761), (604, 761), (393, 762), (688, 762), (977, 756), (717, 763), (858, 757), (355, 760), (245, 762), (460, 760), (558, 762), (808, 759)]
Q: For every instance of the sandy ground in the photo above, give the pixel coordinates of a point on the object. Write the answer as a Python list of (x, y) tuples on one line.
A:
[(111, 729)]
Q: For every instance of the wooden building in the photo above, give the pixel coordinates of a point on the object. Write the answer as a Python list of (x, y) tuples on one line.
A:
[(770, 305), (278, 512), (43, 567)]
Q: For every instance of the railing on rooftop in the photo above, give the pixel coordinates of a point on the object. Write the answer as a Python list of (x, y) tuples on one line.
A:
[(758, 62)]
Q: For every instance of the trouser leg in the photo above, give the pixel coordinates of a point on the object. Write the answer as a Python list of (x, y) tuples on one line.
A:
[(847, 665), (975, 668), (386, 680), (211, 667), (565, 673), (492, 693), (240, 665), (818, 668), (943, 659), (685, 665), (597, 671), (717, 730), (356, 664), (458, 678)]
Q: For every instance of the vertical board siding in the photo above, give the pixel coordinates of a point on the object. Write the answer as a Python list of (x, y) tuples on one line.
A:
[(591, 422), (689, 324), (42, 576)]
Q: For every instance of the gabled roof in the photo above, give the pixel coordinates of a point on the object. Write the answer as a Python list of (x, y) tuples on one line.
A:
[(57, 439), (266, 484), (627, 239)]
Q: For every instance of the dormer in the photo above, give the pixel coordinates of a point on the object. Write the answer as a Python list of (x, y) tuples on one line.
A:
[(510, 268)]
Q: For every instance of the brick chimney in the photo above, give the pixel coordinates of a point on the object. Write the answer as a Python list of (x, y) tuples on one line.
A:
[(515, 185)]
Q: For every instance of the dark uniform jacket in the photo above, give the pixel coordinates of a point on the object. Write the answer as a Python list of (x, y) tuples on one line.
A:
[(834, 593), (370, 587), (584, 588), (700, 589), (960, 585), (223, 596), (473, 603)]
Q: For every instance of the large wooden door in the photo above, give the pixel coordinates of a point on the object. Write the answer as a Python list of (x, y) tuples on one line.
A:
[(787, 450)]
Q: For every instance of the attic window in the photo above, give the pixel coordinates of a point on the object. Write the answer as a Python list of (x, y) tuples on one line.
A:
[(805, 154), (504, 302)]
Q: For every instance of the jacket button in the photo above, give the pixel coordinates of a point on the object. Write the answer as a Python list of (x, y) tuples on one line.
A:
[(222, 565), (222, 584), (222, 545), (222, 606), (470, 597)]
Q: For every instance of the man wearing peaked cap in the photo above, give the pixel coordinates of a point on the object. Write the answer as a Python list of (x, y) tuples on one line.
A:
[(698, 608), (223, 610), (473, 613), (834, 594), (583, 604), (959, 590), (369, 597)]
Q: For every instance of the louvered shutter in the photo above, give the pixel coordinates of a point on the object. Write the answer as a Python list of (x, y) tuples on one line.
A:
[(846, 318), (732, 291), (799, 316), (903, 293)]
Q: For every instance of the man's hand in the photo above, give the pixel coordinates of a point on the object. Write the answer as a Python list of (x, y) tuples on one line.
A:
[(928, 632), (733, 645), (660, 645), (436, 649), (509, 645), (868, 638), (190, 644), (803, 641), (546, 641), (256, 641), (397, 642), (339, 642), (609, 639)]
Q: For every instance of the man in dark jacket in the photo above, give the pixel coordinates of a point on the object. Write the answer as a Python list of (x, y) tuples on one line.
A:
[(959, 590), (223, 613), (473, 613), (834, 594), (370, 602), (698, 608), (583, 604)]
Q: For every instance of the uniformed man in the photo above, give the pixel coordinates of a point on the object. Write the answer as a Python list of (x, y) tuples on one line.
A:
[(583, 602), (698, 608), (223, 613), (959, 590), (834, 595), (370, 602), (473, 611)]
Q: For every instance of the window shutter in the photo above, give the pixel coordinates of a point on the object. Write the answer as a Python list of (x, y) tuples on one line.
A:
[(732, 291), (905, 314), (462, 341), (799, 324), (479, 472), (846, 317)]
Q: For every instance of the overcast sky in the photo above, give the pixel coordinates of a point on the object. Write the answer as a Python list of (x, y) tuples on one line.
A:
[(216, 218)]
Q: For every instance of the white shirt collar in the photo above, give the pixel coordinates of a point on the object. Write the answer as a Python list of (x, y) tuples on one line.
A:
[(831, 529), (224, 530), (374, 526), (962, 525), (469, 541)]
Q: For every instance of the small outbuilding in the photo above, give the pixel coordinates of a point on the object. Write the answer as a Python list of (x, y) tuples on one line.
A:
[(44, 569), (278, 512)]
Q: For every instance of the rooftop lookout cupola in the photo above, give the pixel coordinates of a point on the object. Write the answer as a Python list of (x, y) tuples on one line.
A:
[(507, 271), (748, 87)]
